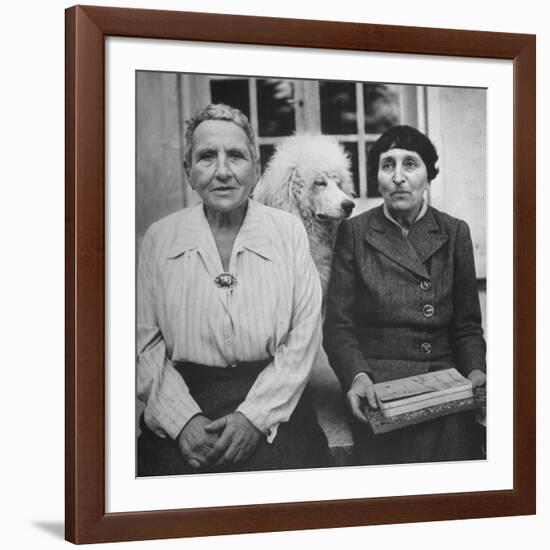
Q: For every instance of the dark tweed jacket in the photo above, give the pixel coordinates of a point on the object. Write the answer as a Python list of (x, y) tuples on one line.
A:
[(399, 306)]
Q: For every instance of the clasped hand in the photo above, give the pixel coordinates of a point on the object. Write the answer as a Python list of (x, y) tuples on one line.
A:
[(229, 440)]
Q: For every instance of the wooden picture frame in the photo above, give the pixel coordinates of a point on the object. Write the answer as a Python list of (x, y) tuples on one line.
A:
[(86, 30)]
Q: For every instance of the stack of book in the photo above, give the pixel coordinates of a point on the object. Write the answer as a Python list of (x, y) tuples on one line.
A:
[(405, 395)]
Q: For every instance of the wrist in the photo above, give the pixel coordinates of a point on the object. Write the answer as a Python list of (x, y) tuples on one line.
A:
[(190, 420), (361, 378)]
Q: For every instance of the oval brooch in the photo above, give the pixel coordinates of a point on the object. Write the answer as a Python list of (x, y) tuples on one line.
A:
[(226, 280)]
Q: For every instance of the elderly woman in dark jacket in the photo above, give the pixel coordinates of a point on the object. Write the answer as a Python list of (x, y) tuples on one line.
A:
[(402, 301)]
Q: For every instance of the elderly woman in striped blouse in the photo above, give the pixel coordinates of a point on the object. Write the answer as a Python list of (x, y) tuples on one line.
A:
[(229, 320)]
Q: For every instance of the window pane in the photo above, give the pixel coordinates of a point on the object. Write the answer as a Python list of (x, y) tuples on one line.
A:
[(338, 107), (372, 187), (351, 148), (266, 152), (232, 92), (381, 107), (275, 108)]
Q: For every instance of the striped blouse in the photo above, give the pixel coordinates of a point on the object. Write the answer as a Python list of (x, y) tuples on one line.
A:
[(274, 311)]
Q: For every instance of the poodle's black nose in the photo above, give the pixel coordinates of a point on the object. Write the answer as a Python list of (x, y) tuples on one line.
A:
[(347, 207)]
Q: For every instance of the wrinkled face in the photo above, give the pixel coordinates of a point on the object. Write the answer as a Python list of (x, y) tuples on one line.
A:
[(326, 196), (402, 180), (222, 170)]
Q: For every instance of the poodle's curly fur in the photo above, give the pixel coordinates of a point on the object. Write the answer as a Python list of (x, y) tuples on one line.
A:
[(309, 176)]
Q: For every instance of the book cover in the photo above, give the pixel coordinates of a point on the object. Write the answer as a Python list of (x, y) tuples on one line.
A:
[(416, 387), (382, 424), (430, 402)]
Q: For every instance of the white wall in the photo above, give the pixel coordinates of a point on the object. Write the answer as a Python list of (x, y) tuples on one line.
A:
[(32, 274), (456, 124)]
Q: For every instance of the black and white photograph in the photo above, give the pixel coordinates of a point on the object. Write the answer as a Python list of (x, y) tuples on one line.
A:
[(275, 275), (310, 273)]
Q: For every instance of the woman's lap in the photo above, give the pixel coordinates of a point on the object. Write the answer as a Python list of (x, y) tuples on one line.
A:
[(300, 442), (448, 438)]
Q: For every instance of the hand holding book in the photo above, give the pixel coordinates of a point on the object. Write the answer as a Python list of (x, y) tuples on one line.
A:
[(423, 397), (477, 378), (360, 394)]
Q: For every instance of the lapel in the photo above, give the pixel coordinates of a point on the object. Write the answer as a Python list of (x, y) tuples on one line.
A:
[(426, 236), (254, 234), (424, 240), (194, 233)]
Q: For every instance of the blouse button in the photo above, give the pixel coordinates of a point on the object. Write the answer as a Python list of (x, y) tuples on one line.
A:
[(426, 348), (425, 284), (428, 310)]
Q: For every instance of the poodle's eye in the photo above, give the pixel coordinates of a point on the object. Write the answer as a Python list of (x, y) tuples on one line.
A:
[(320, 183)]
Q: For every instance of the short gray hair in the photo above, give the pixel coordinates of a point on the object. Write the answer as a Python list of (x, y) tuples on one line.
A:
[(219, 111)]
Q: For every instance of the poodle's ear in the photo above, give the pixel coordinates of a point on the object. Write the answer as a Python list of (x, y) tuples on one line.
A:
[(283, 198), (275, 185), (292, 179)]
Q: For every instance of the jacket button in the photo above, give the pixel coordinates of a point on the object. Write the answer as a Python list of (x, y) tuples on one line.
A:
[(425, 284), (426, 348), (428, 310)]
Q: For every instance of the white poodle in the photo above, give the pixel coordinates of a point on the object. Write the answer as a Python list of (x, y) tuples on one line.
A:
[(309, 175)]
